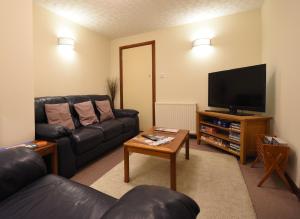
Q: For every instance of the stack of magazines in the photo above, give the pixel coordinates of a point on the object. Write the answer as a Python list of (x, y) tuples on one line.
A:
[(156, 140), (274, 140)]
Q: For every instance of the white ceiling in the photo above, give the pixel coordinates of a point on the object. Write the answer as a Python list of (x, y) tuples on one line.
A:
[(119, 18)]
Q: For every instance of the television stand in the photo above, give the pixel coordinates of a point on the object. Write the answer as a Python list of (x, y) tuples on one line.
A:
[(232, 133)]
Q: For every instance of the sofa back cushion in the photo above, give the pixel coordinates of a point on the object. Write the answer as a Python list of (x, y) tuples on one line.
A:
[(40, 114), (18, 168), (105, 110), (73, 100), (95, 98), (86, 113), (39, 105), (59, 114)]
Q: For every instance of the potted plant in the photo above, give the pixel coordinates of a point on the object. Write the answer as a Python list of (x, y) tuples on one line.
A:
[(112, 85)]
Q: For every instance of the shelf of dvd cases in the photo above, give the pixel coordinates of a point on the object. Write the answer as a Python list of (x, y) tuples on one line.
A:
[(231, 133)]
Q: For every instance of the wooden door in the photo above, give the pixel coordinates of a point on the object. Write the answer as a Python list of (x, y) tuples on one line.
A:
[(138, 78)]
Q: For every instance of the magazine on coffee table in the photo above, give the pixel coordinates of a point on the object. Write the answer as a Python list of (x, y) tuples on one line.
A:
[(160, 140), (161, 129)]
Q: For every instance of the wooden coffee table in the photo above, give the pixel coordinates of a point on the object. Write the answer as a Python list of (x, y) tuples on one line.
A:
[(167, 151)]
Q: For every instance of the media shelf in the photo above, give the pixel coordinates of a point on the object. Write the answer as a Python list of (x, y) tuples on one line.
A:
[(232, 133)]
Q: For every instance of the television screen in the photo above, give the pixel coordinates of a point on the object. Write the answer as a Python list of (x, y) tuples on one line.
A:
[(241, 88)]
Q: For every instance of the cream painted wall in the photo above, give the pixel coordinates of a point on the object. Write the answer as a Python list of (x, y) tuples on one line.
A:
[(16, 72), (281, 46), (182, 73), (58, 72)]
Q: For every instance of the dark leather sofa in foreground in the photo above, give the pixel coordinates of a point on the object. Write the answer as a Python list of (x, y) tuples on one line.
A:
[(27, 192), (79, 146)]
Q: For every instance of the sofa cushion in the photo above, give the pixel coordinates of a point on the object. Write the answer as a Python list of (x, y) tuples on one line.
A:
[(55, 197), (128, 123), (105, 110), (59, 114), (73, 100), (95, 98), (110, 128), (39, 107), (86, 139), (86, 113)]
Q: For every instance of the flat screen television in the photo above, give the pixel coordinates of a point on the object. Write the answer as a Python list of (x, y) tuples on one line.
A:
[(240, 88)]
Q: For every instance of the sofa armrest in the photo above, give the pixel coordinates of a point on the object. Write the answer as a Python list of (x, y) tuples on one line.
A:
[(66, 157), (153, 202), (50, 132), (18, 168), (125, 113)]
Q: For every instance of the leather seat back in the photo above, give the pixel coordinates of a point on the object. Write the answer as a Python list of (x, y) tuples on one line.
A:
[(18, 168)]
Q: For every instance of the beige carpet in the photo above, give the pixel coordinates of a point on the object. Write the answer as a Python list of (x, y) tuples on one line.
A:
[(213, 180)]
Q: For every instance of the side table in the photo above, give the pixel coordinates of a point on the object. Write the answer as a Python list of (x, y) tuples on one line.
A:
[(49, 148)]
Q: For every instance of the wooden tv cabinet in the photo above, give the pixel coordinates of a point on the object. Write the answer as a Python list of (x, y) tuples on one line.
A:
[(221, 136)]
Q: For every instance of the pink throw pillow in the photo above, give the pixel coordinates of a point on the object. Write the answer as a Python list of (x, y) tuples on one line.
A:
[(86, 113), (59, 114), (105, 110)]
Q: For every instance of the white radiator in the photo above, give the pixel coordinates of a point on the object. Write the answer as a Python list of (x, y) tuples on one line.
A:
[(176, 115)]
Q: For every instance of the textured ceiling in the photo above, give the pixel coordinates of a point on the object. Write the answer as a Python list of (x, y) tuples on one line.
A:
[(119, 18)]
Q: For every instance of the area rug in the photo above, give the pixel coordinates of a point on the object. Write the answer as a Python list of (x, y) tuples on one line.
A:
[(213, 180)]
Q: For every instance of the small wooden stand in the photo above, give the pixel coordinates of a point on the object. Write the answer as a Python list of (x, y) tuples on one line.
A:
[(49, 148), (275, 158)]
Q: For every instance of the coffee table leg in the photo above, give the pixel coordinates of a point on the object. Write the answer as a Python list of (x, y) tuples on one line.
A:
[(173, 171), (187, 148), (126, 165)]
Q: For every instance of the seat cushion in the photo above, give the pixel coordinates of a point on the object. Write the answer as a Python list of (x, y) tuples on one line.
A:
[(128, 123), (85, 139), (55, 197), (111, 128)]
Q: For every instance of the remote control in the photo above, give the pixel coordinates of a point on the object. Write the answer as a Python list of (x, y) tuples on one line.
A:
[(151, 137)]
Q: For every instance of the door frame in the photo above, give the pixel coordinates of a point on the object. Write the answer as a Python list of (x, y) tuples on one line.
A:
[(152, 43)]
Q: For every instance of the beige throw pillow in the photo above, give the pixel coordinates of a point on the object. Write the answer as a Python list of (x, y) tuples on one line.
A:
[(59, 114), (86, 113), (105, 110)]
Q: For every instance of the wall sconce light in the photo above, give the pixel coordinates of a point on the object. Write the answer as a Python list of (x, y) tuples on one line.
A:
[(202, 42), (65, 41)]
